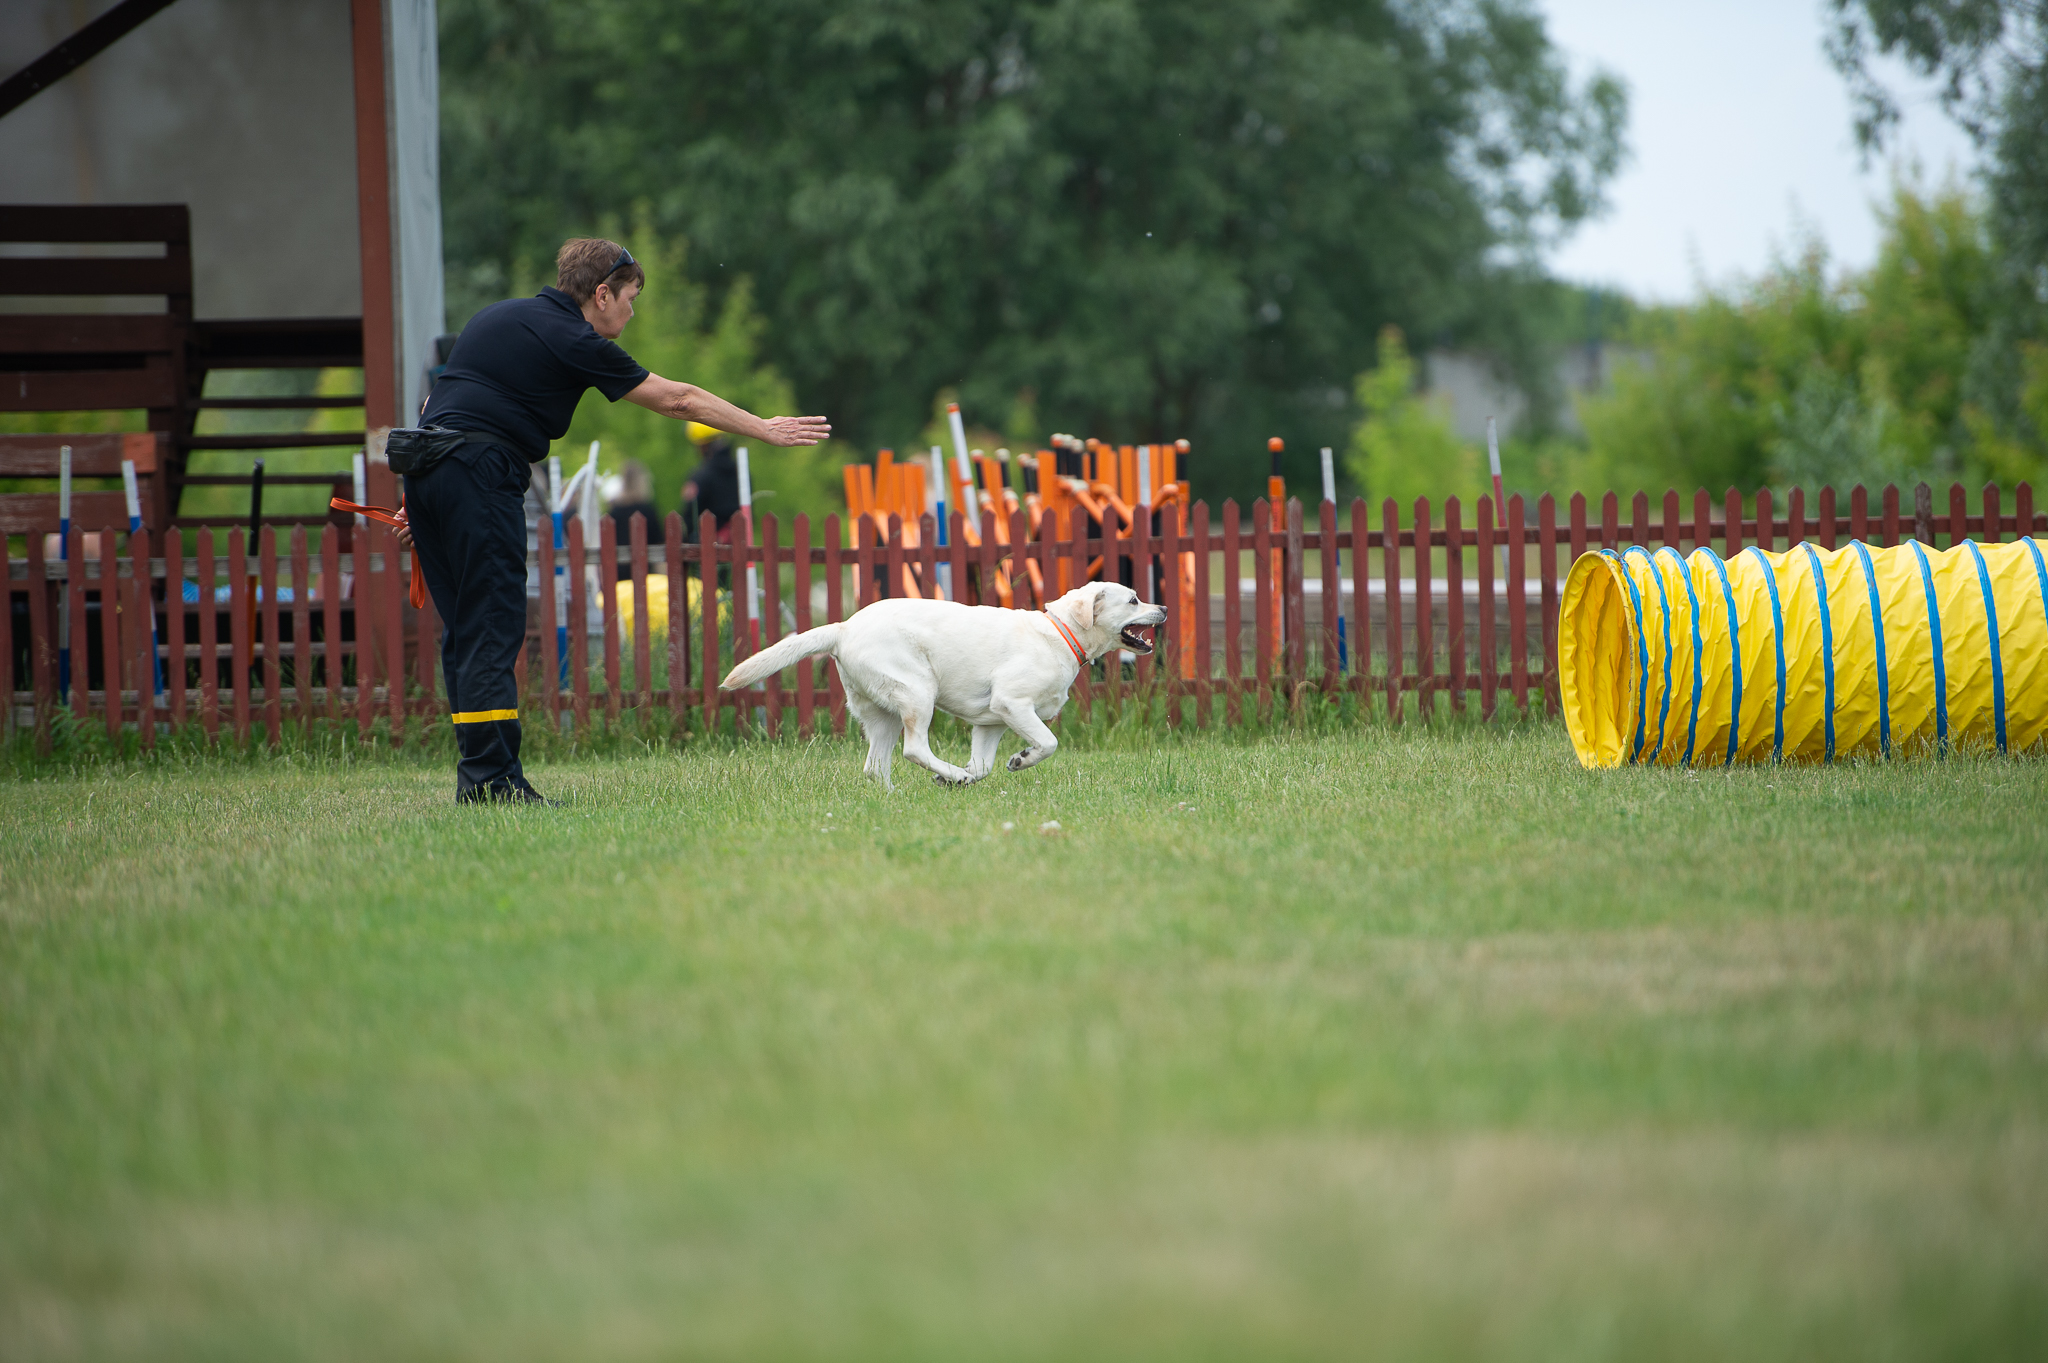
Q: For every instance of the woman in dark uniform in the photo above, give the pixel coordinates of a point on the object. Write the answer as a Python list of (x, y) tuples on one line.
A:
[(512, 383)]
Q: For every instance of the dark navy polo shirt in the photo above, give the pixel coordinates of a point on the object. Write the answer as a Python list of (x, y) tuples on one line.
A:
[(520, 368)]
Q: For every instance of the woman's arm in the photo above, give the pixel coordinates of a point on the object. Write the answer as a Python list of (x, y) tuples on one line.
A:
[(687, 402)]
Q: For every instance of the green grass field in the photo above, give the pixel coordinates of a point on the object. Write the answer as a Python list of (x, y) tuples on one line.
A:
[(1367, 1044)]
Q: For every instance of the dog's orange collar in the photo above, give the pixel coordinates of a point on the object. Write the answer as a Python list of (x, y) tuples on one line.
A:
[(1080, 654)]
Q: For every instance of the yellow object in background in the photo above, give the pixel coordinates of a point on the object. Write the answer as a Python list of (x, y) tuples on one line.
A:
[(657, 605), (1806, 655)]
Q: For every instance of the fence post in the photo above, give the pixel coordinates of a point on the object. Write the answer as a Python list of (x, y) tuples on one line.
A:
[(330, 616), (834, 600), (174, 621), (1233, 615), (1295, 629), (74, 592), (1454, 597), (1333, 595), (1958, 515), (2023, 509), (1112, 571), (800, 590), (707, 598), (1795, 518), (365, 621), (1518, 598), (240, 665), (1578, 514), (1390, 563), (1766, 522), (1361, 603), (1262, 607), (273, 656), (1203, 660), (643, 628), (1546, 557), (1923, 514), (395, 595), (113, 662), (1171, 638), (1891, 515), (42, 638), (894, 584), (1702, 519), (142, 639), (608, 613), (1731, 524), (209, 635), (1668, 530), (302, 629), (1140, 540), (1825, 530), (1425, 615), (7, 634), (1610, 520), (1489, 667), (678, 620), (1639, 529)]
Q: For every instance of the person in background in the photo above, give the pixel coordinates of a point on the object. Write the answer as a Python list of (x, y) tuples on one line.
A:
[(715, 484), (636, 497)]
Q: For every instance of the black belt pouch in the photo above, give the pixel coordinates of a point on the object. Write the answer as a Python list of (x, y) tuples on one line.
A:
[(412, 450)]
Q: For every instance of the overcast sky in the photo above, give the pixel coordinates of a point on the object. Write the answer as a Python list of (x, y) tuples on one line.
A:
[(1740, 134)]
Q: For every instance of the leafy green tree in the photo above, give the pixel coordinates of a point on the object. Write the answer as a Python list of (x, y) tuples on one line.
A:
[(1991, 60), (1800, 378), (1142, 219)]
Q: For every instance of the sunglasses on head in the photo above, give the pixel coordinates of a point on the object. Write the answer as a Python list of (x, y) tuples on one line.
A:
[(625, 259)]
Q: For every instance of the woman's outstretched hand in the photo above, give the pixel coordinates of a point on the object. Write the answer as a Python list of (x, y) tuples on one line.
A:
[(404, 530), (797, 430)]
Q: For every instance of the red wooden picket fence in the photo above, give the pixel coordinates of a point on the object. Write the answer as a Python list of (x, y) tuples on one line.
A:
[(1285, 613)]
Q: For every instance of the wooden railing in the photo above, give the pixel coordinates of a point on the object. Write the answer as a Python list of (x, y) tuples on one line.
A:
[(1266, 613)]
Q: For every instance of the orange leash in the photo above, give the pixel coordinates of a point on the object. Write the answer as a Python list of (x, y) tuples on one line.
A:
[(383, 517)]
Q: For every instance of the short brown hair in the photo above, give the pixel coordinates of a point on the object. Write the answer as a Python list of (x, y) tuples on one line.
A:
[(582, 263)]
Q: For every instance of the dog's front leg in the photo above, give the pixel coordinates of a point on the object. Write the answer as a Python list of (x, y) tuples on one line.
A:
[(1039, 741)]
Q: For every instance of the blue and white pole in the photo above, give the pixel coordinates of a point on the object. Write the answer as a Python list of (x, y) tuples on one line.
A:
[(133, 493), (938, 505), (64, 557), (560, 586), (1330, 496)]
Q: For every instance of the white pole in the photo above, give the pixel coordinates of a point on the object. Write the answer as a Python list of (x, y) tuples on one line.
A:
[(1500, 501), (970, 505), (560, 586), (362, 477), (1144, 475), (1329, 476), (133, 494)]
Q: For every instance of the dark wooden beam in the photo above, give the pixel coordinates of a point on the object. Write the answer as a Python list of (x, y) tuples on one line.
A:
[(74, 52)]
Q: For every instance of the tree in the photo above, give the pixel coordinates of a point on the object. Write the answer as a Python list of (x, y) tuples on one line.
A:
[(1404, 447), (1800, 378), (1138, 218), (1991, 59)]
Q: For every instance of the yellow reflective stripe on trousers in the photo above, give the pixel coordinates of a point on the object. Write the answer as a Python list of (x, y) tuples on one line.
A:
[(483, 716)]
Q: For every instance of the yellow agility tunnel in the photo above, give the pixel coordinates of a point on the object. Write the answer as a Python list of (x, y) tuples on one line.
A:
[(1807, 655)]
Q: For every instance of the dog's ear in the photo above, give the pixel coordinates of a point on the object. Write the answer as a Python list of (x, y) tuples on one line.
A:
[(1084, 605)]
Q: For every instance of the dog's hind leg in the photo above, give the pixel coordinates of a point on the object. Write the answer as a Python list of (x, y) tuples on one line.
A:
[(883, 729), (1039, 741), (987, 738), (917, 728)]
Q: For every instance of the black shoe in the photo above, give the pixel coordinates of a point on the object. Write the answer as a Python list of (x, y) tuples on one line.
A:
[(521, 794)]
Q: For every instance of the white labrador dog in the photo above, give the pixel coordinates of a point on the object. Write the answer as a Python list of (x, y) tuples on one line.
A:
[(995, 669)]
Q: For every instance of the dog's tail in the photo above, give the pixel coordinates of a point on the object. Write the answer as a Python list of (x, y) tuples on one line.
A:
[(787, 653)]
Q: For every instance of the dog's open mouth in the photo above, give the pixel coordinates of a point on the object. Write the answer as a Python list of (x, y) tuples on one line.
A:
[(1134, 638)]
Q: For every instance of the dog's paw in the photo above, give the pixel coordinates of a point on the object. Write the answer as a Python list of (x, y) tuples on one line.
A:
[(950, 781), (1017, 760)]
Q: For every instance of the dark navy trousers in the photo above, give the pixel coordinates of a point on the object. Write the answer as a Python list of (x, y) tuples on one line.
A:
[(468, 518)]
